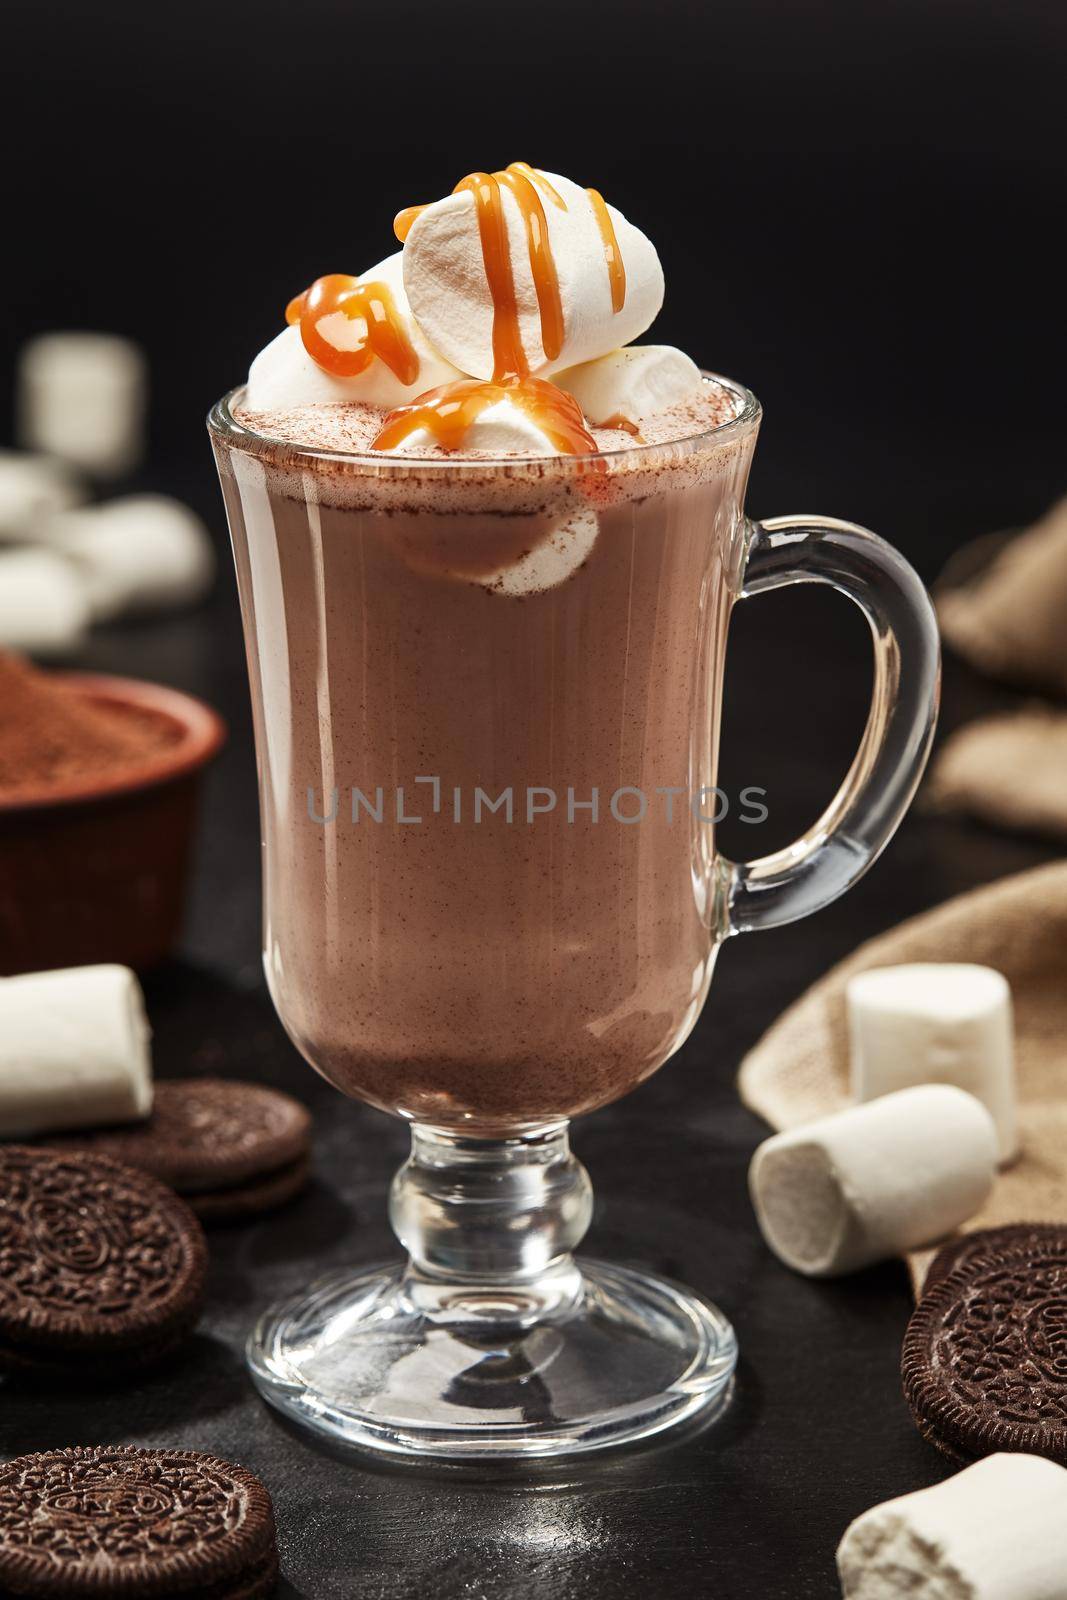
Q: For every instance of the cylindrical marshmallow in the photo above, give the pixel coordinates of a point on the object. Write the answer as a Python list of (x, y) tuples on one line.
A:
[(74, 1051), (874, 1181), (283, 375), (82, 396), (936, 1022), (44, 607), (449, 295), (140, 554), (631, 383), (997, 1531), (32, 488), (535, 553)]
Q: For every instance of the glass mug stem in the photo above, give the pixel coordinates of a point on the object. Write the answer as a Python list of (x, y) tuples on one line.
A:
[(862, 817), (489, 1224)]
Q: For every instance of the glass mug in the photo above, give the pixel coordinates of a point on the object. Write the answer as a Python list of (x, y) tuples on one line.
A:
[(486, 699)]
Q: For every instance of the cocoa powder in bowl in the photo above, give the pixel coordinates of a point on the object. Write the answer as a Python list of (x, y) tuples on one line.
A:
[(98, 787), (54, 738)]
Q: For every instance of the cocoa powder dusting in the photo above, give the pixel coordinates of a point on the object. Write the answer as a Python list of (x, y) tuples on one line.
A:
[(53, 735)]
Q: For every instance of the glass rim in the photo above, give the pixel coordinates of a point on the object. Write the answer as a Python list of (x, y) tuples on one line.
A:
[(223, 424)]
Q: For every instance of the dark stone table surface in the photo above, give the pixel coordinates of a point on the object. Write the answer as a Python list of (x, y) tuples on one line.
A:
[(750, 1509)]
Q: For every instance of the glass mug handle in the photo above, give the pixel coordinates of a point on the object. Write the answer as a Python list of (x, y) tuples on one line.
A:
[(864, 814)]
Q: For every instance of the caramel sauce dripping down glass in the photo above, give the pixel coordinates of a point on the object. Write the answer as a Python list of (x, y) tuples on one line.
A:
[(448, 413), (384, 336)]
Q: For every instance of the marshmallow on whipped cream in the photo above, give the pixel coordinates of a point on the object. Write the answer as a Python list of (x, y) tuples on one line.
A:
[(632, 383), (284, 375), (513, 297), (448, 287), (503, 428)]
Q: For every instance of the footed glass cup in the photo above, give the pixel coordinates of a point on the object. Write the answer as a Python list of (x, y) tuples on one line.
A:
[(486, 700)]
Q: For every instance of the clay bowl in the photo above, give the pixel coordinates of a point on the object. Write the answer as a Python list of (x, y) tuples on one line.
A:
[(97, 871)]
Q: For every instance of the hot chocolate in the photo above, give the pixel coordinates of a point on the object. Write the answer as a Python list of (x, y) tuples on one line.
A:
[(487, 549), (538, 642), (487, 898)]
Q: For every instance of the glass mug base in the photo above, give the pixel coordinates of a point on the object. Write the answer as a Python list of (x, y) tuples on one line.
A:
[(589, 1356)]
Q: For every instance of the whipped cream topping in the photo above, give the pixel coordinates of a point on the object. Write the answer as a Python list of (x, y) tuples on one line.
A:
[(516, 278), (633, 383), (285, 375)]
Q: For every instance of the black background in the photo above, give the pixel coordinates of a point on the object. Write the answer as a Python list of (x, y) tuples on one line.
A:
[(855, 203), (856, 206)]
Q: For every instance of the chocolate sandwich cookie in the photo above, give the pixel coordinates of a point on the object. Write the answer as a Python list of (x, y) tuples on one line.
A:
[(984, 1363), (1012, 1236), (114, 1520), (102, 1269), (231, 1149)]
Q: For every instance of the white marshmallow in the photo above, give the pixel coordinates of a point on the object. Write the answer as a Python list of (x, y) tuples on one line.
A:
[(140, 554), (551, 562), (534, 554), (32, 487), (936, 1022), (44, 607), (74, 1051), (874, 1181), (633, 383), (502, 429), (448, 291), (284, 376), (997, 1531), (82, 397)]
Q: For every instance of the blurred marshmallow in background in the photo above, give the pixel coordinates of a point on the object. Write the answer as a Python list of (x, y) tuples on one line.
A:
[(82, 397), (44, 603), (31, 488), (145, 553)]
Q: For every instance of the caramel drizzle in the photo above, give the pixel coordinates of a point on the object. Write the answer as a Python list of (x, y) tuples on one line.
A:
[(449, 412), (524, 182), (523, 169), (619, 421), (405, 220), (612, 253), (372, 303), (509, 356)]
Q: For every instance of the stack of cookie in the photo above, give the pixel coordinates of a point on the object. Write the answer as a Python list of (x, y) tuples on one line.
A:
[(103, 1272), (232, 1150), (76, 1071)]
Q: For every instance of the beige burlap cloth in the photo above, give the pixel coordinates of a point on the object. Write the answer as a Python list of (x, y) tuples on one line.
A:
[(1002, 605), (799, 1069), (1009, 770)]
